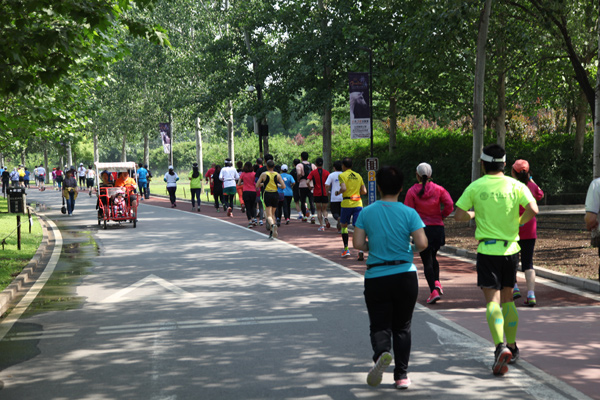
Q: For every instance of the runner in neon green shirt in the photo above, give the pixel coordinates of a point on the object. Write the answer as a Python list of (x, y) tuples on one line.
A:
[(495, 199)]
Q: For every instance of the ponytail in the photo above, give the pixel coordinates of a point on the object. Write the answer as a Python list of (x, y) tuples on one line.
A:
[(196, 173), (424, 181)]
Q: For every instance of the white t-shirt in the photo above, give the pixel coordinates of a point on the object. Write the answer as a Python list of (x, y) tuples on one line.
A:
[(90, 174), (229, 176), (592, 200), (334, 182), (81, 170), (41, 171)]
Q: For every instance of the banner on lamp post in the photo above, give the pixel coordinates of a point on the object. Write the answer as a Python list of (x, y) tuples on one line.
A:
[(360, 112), (165, 136)]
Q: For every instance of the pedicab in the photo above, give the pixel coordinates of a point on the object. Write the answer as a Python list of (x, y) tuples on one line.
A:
[(118, 204)]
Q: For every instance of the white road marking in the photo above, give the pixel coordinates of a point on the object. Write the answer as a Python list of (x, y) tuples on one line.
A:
[(116, 297), (209, 323), (7, 324)]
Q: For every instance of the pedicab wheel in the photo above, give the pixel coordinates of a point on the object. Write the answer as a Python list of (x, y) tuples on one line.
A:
[(134, 222), (104, 224), (99, 221)]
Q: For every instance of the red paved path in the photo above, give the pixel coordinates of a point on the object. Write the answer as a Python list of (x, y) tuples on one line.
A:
[(561, 335)]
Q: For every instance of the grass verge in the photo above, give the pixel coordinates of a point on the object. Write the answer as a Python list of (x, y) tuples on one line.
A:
[(12, 260)]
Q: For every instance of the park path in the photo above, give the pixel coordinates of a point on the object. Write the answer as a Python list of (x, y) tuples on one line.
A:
[(171, 310), (560, 336)]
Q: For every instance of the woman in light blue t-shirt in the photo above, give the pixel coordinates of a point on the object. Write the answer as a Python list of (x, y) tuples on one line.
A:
[(384, 229)]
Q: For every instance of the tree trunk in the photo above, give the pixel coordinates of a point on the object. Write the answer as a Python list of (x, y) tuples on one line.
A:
[(230, 144), (580, 122), (327, 136), (327, 107), (95, 138), (1, 160), (265, 140), (393, 114), (23, 158), (146, 160), (47, 177), (124, 148), (478, 97), (501, 117), (172, 137), (596, 150), (199, 156), (69, 155)]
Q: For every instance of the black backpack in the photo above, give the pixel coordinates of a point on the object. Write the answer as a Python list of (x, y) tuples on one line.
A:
[(307, 169)]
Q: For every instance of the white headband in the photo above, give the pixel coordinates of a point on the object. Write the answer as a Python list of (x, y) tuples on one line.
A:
[(487, 158)]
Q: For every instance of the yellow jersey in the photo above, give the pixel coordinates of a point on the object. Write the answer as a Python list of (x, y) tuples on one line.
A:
[(353, 182)]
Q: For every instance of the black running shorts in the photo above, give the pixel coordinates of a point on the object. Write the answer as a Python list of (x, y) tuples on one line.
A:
[(496, 272), (271, 199)]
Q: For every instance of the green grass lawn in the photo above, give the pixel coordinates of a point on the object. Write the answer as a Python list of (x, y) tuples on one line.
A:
[(12, 260)]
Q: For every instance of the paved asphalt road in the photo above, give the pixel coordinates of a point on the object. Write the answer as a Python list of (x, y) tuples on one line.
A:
[(186, 306)]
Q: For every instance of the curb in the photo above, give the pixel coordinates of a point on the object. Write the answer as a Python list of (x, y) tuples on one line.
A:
[(580, 283), (29, 274)]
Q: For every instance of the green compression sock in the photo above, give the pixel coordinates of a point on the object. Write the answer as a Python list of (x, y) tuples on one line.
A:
[(495, 321), (511, 321)]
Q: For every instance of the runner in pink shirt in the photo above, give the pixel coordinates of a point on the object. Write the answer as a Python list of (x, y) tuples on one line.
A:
[(433, 203), (249, 192), (527, 233)]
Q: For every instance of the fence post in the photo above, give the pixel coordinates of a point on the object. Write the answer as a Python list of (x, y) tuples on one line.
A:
[(19, 232)]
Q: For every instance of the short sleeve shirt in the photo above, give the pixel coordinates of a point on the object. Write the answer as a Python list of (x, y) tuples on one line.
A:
[(388, 226), (334, 182), (353, 182), (319, 176), (592, 200), (496, 200)]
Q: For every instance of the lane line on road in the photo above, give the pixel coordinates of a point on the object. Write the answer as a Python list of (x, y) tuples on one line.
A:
[(7, 324)]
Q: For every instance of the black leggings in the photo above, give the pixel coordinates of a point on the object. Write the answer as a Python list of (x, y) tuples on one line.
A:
[(284, 207), (196, 195), (527, 246), (250, 203), (431, 267), (218, 196), (304, 194), (390, 302), (172, 196)]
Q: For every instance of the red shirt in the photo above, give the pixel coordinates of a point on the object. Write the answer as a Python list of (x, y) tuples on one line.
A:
[(208, 175), (529, 230), (248, 181), (318, 176)]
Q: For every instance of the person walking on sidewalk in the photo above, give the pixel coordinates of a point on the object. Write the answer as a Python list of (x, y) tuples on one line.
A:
[(284, 206), (303, 169), (81, 173), (195, 186), (592, 212), (527, 233), (142, 176), (316, 180), (229, 177), (333, 186), (90, 179), (248, 183), (384, 229), (217, 187), (70, 192), (433, 203), (171, 178), (240, 188), (495, 199), (352, 187), (270, 180)]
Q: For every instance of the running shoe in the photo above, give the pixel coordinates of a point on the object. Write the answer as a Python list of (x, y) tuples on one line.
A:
[(243, 208), (515, 354), (250, 224), (433, 297), (321, 229), (299, 216), (327, 224), (502, 357), (402, 383), (530, 301), (361, 256), (229, 212), (438, 287), (376, 373), (312, 220), (516, 292), (260, 222), (287, 221), (198, 209), (304, 219), (345, 253), (270, 234), (274, 232)]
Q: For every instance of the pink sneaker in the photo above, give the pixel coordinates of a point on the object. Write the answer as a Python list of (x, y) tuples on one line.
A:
[(402, 383), (439, 288), (433, 297)]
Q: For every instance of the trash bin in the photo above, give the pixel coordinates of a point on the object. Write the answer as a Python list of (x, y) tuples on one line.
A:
[(16, 200)]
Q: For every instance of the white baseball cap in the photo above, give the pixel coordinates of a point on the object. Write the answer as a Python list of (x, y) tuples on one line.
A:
[(284, 167)]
